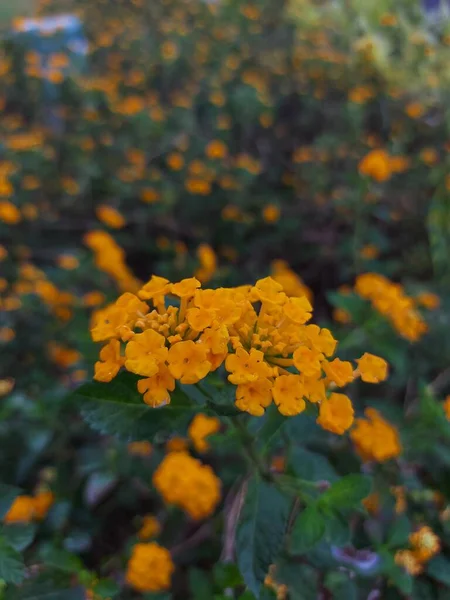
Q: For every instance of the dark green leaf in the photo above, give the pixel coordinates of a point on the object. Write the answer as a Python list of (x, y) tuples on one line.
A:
[(337, 529), (199, 584), (309, 528), (302, 580), (399, 531), (8, 494), (341, 586), (19, 535), (348, 492), (117, 409), (61, 559), (106, 588), (439, 569), (311, 466), (260, 531), (12, 569)]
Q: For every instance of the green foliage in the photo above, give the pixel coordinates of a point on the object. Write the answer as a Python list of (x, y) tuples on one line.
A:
[(117, 409), (260, 532)]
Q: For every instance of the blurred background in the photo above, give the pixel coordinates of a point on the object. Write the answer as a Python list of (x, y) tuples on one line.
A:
[(227, 140)]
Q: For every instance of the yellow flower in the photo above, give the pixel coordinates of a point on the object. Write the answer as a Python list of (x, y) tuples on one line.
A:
[(200, 428), (336, 413), (155, 289), (254, 397), (150, 568), (371, 368), (142, 448), (425, 543), (185, 482), (110, 216), (185, 288), (156, 389), (288, 394), (22, 510), (42, 501), (9, 213), (409, 561), (298, 310), (428, 300), (110, 362), (339, 372), (271, 213), (188, 361), (268, 290), (374, 438), (377, 165), (308, 361), (150, 528), (216, 149), (246, 367), (144, 353)]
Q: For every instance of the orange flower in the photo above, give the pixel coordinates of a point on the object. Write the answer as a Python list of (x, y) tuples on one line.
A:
[(145, 352), (110, 362), (339, 372), (425, 543), (288, 394), (254, 397), (371, 368), (22, 510), (156, 389), (271, 213), (9, 213), (110, 216), (42, 504), (150, 528), (188, 361), (376, 165), (245, 367), (200, 428), (216, 149), (336, 413), (374, 438)]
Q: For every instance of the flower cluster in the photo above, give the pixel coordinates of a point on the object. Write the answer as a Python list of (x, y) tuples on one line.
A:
[(201, 427), (184, 481), (374, 438), (390, 300), (424, 545), (110, 258), (257, 332), (25, 509), (150, 568), (379, 165)]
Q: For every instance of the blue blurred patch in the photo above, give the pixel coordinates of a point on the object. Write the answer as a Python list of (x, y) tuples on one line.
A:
[(47, 36)]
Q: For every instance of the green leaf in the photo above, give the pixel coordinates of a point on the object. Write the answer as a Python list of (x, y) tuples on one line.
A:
[(311, 466), (302, 580), (346, 493), (12, 569), (272, 425), (337, 529), (227, 575), (396, 574), (61, 559), (199, 584), (308, 530), (260, 531), (8, 494), (19, 535), (341, 586), (106, 588), (47, 591), (399, 532), (439, 569), (117, 409)]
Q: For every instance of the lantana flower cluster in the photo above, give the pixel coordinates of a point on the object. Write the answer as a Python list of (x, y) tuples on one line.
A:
[(390, 300), (425, 544), (150, 568), (374, 438), (185, 482), (257, 333)]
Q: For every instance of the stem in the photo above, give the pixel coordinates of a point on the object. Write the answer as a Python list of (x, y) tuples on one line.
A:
[(250, 450)]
